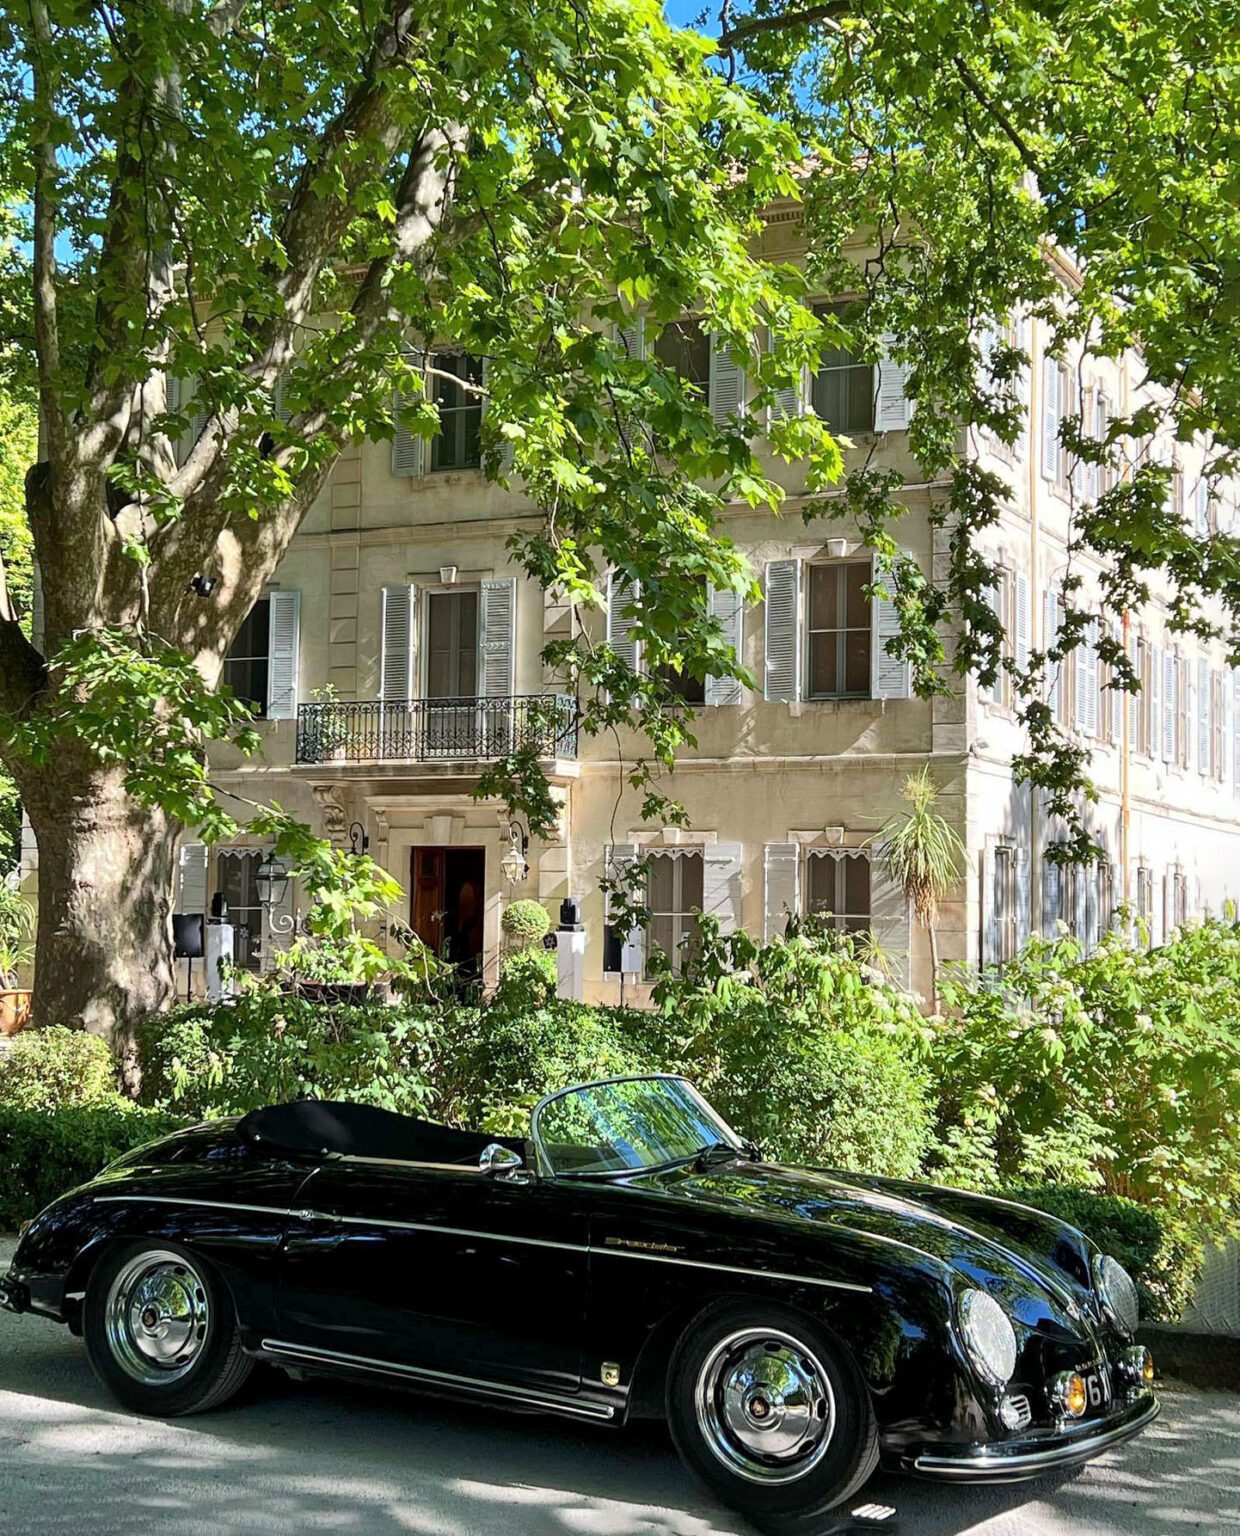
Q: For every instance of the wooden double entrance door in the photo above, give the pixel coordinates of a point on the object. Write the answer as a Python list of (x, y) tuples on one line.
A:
[(449, 896)]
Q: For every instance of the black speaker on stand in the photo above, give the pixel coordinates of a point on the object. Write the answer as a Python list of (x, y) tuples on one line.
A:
[(188, 944)]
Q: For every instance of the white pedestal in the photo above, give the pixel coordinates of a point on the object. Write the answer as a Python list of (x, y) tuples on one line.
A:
[(219, 953), (570, 960)]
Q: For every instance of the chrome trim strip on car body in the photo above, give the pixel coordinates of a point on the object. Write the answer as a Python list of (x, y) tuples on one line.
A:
[(498, 1237), (996, 1466), (208, 1205), (309, 1352)]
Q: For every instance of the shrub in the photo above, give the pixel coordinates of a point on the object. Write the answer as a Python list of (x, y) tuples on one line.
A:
[(1162, 1254), (1118, 1071), (525, 921), (527, 979), (502, 1059), (802, 1047), (44, 1153), (266, 1047), (52, 1067)]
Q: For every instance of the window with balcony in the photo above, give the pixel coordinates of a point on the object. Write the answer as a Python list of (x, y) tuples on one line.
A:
[(459, 443), (839, 631), (452, 644), (837, 890), (674, 896)]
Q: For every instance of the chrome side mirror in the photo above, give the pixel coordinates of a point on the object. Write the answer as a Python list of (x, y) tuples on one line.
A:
[(495, 1159)]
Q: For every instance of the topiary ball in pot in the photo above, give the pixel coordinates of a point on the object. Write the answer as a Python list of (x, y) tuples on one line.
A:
[(525, 922)]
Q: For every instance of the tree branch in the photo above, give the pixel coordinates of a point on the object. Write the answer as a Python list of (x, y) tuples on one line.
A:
[(787, 21), (46, 321)]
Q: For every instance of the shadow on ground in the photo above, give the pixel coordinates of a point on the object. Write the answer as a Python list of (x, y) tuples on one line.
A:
[(295, 1458)]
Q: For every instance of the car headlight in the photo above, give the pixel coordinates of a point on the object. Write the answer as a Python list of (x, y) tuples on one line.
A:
[(1117, 1293), (989, 1338)]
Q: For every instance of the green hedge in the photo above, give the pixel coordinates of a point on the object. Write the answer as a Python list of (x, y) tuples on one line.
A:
[(44, 1153), (1162, 1255), (54, 1067)]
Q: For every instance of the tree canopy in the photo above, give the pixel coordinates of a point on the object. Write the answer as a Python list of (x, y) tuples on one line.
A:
[(240, 229)]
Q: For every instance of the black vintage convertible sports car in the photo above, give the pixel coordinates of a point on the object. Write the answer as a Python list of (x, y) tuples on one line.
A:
[(633, 1257)]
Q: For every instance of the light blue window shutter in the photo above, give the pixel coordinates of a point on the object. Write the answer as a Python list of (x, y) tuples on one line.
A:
[(788, 402), (1203, 715), (1052, 407), (1156, 714), (783, 631), (990, 595), (721, 884), (889, 675), (617, 858), (1081, 705), (1235, 728), (620, 621), (191, 878), (1022, 898), (1222, 769), (407, 446), (280, 408), (1090, 878), (1117, 694), (632, 337), (396, 672), (728, 607), (727, 382), (1051, 879), (781, 887), (1022, 621), (892, 407), (283, 654), (889, 919), (1203, 508), (498, 637), (1170, 670), (1050, 635)]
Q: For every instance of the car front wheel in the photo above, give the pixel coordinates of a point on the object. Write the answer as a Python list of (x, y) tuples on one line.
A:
[(767, 1407), (161, 1330)]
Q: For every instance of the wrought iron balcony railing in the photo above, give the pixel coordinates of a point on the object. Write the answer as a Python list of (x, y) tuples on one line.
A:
[(437, 730)]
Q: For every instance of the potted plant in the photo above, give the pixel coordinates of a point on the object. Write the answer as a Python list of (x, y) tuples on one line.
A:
[(331, 727), (17, 918)]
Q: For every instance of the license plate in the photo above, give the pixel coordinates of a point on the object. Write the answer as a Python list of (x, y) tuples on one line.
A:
[(1097, 1387)]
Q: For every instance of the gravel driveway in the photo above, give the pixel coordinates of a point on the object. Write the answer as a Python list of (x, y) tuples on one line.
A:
[(294, 1459)]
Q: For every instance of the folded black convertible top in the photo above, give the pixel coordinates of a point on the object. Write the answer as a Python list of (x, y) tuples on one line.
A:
[(322, 1127)]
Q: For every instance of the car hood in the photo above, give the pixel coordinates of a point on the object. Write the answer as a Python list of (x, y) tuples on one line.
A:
[(1020, 1272)]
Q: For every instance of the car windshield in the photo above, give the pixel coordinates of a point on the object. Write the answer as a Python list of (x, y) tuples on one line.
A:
[(627, 1125)]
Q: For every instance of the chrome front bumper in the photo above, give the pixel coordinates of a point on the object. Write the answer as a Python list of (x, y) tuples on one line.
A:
[(1019, 1459), (14, 1297)]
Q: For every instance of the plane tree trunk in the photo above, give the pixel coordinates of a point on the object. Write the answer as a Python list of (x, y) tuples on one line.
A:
[(106, 864)]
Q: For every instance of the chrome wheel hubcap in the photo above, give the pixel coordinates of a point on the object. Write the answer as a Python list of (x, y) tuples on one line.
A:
[(764, 1405), (157, 1317)]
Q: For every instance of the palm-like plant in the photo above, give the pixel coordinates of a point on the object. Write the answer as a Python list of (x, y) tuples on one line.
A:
[(923, 855)]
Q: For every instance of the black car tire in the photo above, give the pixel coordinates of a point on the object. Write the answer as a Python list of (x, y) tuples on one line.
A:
[(818, 1414), (161, 1330)]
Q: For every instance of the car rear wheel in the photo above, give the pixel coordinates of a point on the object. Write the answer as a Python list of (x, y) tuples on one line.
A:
[(767, 1407), (161, 1330)]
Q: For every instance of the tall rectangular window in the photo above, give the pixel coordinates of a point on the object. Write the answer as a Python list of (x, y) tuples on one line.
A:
[(236, 872), (838, 889), (248, 663), (674, 895), (459, 443), (452, 644), (684, 348), (839, 631), (842, 391)]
